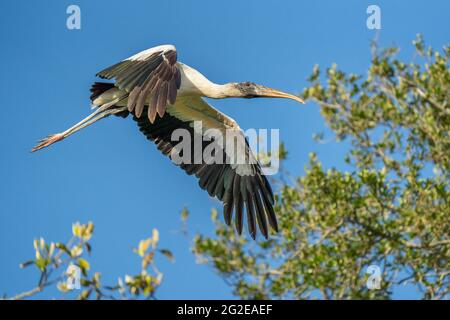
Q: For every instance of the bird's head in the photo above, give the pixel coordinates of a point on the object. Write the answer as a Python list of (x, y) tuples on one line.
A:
[(252, 90)]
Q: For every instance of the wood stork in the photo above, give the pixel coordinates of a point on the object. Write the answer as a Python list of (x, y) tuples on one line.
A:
[(163, 95)]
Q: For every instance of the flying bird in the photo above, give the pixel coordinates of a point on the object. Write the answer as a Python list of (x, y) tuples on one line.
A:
[(163, 95)]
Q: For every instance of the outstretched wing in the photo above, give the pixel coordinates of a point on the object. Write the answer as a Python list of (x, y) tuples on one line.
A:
[(236, 185), (153, 74)]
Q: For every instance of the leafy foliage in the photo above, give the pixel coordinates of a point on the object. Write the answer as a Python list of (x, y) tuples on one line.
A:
[(60, 258), (390, 210)]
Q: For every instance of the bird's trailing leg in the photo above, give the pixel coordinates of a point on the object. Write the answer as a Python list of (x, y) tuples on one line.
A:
[(102, 112)]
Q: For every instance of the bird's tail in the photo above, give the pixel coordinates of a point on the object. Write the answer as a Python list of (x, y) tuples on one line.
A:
[(98, 88)]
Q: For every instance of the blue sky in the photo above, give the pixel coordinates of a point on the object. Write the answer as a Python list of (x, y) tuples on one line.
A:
[(109, 173)]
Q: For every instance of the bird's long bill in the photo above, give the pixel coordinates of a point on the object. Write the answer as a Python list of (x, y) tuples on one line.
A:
[(273, 93), (98, 114)]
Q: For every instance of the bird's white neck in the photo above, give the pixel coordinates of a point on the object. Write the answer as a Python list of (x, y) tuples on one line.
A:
[(193, 82), (219, 91)]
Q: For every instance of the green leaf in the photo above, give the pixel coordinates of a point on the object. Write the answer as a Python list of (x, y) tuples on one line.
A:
[(26, 264), (83, 264), (184, 214), (168, 254), (143, 246), (155, 237)]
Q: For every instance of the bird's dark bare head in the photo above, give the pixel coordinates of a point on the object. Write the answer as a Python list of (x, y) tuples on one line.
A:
[(252, 90), (248, 89)]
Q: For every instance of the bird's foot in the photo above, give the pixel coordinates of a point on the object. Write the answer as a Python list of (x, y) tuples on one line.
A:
[(50, 139)]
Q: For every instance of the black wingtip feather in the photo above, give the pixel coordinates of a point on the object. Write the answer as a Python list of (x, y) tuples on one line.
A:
[(251, 222), (261, 216), (227, 209), (270, 214), (238, 220)]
